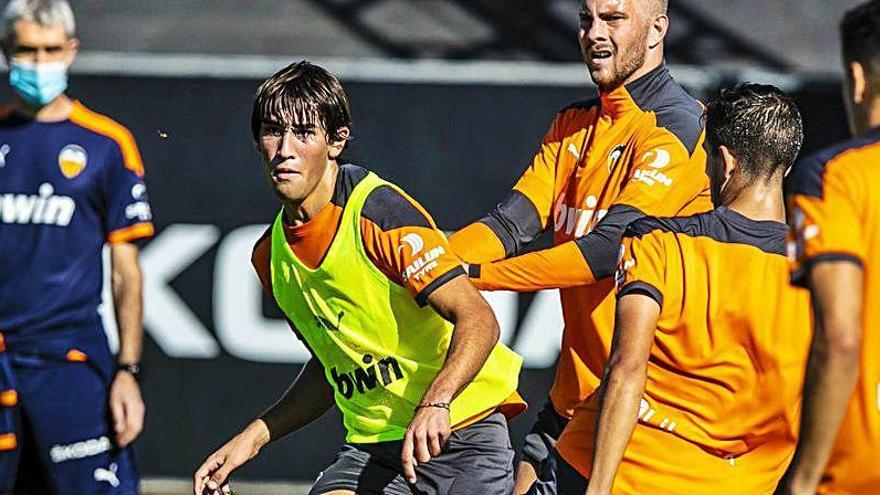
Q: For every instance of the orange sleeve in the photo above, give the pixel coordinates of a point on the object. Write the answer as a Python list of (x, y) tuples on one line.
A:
[(582, 261), (523, 215), (477, 243), (134, 232), (641, 267), (260, 260), (403, 242), (663, 180), (827, 226), (557, 267)]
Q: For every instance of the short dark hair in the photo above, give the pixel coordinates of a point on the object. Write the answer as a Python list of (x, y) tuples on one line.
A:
[(303, 94), (860, 34), (759, 124)]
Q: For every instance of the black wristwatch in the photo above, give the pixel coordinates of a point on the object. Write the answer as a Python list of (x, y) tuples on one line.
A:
[(134, 368)]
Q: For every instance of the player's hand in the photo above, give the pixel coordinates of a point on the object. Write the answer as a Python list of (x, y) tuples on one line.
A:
[(127, 408), (212, 477), (425, 438)]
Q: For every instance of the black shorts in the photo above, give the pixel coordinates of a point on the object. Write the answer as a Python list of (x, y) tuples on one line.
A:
[(568, 480), (477, 460), (539, 448)]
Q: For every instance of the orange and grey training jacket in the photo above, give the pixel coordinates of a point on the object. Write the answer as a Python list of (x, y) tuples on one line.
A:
[(631, 152)]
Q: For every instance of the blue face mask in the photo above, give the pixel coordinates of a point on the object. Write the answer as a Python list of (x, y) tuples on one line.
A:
[(38, 83)]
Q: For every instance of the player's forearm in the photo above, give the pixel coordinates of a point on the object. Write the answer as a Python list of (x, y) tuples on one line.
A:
[(127, 289), (307, 399), (619, 398), (559, 267), (258, 433), (476, 243), (473, 339), (832, 369), (503, 232), (832, 373)]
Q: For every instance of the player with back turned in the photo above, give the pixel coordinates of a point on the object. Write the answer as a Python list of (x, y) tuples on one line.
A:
[(701, 391), (633, 151), (401, 342), (834, 212)]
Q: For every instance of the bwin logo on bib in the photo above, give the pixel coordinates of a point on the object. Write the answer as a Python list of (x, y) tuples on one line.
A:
[(363, 380)]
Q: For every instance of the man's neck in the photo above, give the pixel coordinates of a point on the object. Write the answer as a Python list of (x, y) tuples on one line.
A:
[(55, 111), (760, 202), (300, 213), (873, 117)]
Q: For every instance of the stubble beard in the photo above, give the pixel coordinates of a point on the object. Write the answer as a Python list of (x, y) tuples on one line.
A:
[(623, 67)]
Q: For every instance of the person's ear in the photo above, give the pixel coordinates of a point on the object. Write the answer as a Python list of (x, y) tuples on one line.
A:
[(72, 50), (658, 31), (730, 163), (338, 142), (858, 81)]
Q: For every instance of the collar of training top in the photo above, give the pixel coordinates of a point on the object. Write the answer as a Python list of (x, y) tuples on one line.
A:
[(636, 95)]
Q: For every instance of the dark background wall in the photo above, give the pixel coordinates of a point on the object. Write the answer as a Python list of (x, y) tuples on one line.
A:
[(457, 149)]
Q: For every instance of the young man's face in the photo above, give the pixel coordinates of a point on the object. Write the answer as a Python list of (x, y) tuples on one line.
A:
[(31, 42), (613, 37), (295, 158)]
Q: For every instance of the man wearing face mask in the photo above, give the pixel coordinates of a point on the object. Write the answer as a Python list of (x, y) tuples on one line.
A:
[(71, 181), (632, 151)]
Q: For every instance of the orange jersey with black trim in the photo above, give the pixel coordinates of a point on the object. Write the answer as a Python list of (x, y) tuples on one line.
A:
[(834, 211), (631, 152), (726, 368), (397, 234)]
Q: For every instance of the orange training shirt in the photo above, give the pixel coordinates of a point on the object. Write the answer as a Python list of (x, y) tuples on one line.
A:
[(834, 211), (631, 152), (727, 365)]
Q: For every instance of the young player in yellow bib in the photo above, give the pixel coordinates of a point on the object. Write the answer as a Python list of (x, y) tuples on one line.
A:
[(701, 393), (402, 343)]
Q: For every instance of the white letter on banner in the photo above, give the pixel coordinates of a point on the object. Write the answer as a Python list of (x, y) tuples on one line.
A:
[(167, 318), (241, 327), (504, 304), (540, 335)]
